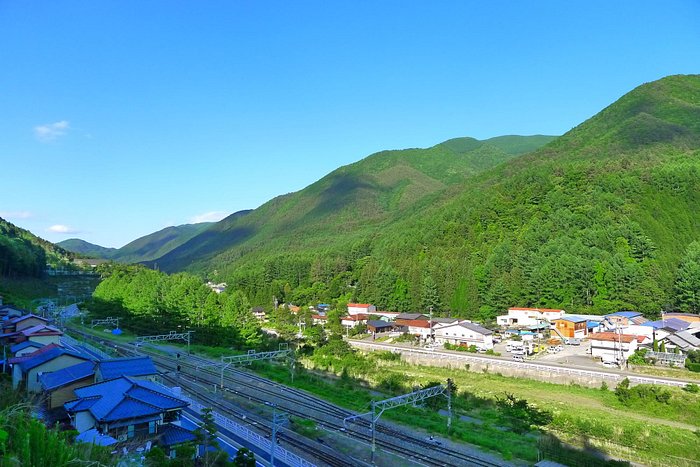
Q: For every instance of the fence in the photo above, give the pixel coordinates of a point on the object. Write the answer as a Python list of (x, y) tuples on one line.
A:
[(252, 437), (66, 339)]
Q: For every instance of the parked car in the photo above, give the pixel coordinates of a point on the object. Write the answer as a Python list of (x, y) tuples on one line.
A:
[(518, 357)]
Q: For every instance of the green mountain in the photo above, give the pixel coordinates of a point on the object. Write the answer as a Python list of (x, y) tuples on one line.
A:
[(597, 220), (145, 248), (23, 254), (87, 249), (348, 204)]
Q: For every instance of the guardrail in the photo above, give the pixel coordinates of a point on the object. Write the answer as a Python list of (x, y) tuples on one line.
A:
[(525, 365)]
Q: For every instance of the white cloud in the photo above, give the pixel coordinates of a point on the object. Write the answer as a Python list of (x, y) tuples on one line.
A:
[(15, 214), (63, 229), (50, 131), (213, 216)]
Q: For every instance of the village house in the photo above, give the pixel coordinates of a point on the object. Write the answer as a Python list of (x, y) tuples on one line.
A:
[(319, 319), (622, 319), (124, 408), (522, 317), (58, 385), (361, 308), (379, 326), (26, 369), (351, 321), (614, 347), (259, 313), (571, 326), (464, 333), (24, 348), (415, 327)]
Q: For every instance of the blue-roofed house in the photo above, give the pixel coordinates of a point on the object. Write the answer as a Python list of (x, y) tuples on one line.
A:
[(24, 348), (625, 318), (124, 408), (670, 325), (59, 385), (138, 367), (26, 369)]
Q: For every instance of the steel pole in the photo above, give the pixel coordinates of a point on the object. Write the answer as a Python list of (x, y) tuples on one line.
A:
[(374, 425)]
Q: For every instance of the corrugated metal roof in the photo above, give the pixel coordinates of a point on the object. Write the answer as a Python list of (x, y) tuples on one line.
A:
[(44, 357), (625, 314), (171, 435), (56, 379), (129, 366), (125, 397), (573, 319), (23, 345), (379, 324)]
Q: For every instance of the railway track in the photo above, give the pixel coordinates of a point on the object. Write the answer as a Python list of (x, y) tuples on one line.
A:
[(261, 390)]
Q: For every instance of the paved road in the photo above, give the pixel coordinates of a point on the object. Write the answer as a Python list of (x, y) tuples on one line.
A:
[(570, 369)]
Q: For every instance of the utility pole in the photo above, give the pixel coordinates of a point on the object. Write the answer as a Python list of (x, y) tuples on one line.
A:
[(278, 419), (449, 405), (430, 324), (373, 428)]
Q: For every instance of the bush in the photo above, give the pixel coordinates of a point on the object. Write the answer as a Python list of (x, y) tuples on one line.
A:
[(692, 388), (693, 366)]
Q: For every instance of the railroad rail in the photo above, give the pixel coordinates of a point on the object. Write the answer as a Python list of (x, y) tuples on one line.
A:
[(325, 414)]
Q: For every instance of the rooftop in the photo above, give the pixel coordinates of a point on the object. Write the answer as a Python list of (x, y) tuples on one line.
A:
[(612, 337), (128, 366), (56, 379), (573, 319), (379, 324), (23, 345), (35, 360), (625, 314), (124, 398)]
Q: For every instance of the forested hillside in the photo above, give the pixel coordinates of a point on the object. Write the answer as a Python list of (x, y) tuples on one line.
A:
[(598, 220), (23, 254), (350, 204)]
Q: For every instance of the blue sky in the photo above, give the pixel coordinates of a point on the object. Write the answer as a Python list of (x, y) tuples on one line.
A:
[(120, 118)]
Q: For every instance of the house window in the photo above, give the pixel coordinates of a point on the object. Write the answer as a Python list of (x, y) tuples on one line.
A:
[(130, 431), (151, 427)]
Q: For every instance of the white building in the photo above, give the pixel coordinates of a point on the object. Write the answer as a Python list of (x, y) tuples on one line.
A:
[(464, 333), (361, 309), (529, 316), (613, 347)]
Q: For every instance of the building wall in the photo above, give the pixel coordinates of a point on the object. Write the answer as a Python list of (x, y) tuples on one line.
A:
[(608, 350), (352, 310), (83, 421), (26, 351), (456, 335), (45, 339), (64, 394), (28, 323), (57, 363)]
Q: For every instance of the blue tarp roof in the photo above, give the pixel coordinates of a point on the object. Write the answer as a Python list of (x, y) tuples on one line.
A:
[(123, 398), (56, 379), (130, 366), (593, 324)]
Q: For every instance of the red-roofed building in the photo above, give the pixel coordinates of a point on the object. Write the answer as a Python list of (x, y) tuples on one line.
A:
[(319, 319), (614, 347), (351, 321), (416, 327)]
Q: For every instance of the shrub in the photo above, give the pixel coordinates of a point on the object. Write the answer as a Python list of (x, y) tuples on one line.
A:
[(691, 387)]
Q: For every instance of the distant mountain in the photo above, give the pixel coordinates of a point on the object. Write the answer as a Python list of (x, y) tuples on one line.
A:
[(145, 248), (23, 254), (87, 249), (349, 203)]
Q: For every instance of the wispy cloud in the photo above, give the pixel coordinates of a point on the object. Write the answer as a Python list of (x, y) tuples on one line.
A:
[(15, 214), (213, 216), (63, 229), (51, 131)]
